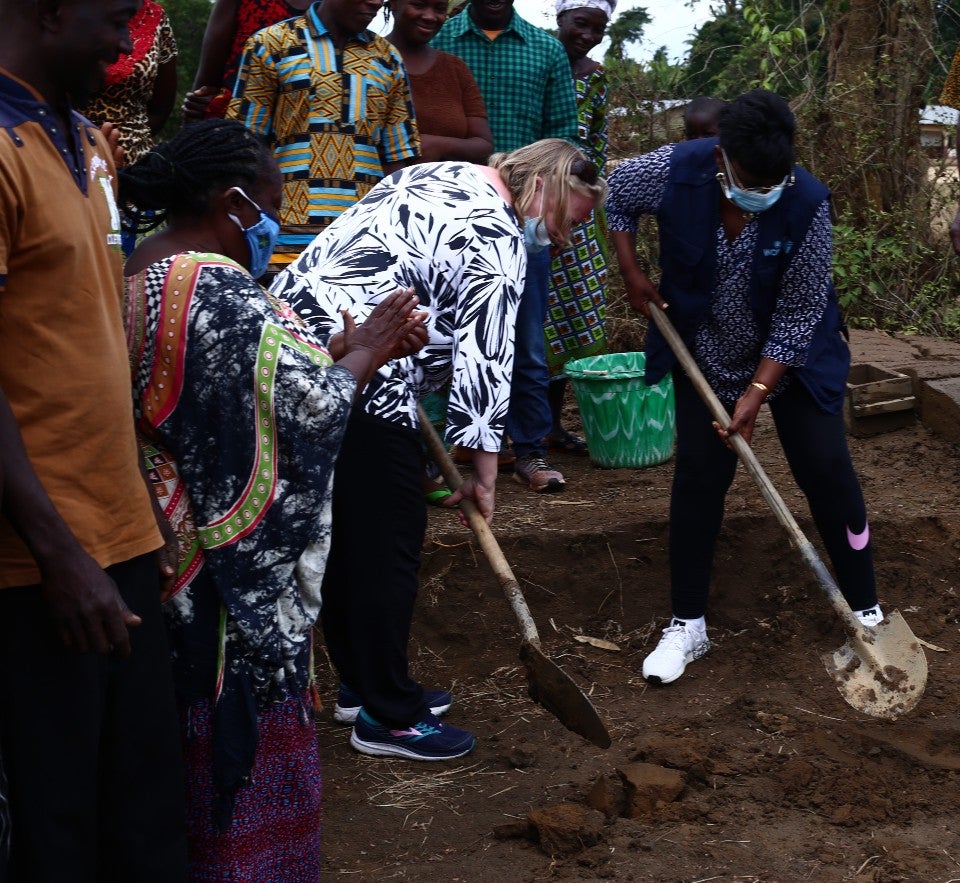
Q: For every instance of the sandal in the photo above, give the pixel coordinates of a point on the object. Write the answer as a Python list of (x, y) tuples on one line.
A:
[(567, 443)]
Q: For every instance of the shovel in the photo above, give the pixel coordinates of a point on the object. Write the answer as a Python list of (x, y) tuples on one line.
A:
[(549, 685), (880, 671)]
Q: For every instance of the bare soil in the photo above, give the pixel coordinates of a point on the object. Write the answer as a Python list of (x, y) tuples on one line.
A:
[(751, 767)]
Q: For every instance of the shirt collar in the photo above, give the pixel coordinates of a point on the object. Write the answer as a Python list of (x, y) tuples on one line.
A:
[(319, 29), (20, 103), (515, 25)]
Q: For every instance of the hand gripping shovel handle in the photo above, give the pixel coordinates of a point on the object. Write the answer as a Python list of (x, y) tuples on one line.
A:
[(549, 685), (749, 460), (481, 530), (881, 671)]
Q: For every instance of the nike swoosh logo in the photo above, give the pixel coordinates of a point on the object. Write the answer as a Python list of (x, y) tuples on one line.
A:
[(408, 732), (858, 541)]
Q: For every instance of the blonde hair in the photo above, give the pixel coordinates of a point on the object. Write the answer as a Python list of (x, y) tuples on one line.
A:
[(550, 159)]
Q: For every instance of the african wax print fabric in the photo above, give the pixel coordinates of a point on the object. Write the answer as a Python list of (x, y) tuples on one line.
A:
[(275, 831), (334, 118), (443, 229), (131, 78), (577, 298), (950, 95), (239, 403)]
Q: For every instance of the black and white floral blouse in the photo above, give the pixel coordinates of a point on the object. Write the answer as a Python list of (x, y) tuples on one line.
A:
[(442, 229)]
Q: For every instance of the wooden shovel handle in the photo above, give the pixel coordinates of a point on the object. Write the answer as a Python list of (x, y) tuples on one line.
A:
[(749, 460), (481, 530)]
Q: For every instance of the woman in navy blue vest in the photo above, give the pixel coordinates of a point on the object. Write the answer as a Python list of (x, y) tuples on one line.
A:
[(745, 254)]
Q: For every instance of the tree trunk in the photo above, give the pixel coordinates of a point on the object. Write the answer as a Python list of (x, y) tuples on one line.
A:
[(879, 55)]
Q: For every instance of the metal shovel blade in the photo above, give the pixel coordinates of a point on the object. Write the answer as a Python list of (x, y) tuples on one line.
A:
[(549, 686), (555, 690), (882, 670)]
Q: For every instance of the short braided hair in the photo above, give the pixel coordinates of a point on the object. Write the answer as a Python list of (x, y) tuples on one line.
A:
[(180, 176)]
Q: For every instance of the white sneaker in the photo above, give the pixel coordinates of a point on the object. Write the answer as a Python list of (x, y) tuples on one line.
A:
[(869, 617), (681, 643)]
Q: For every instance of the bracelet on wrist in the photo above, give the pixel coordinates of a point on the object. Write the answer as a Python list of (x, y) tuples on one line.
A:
[(756, 384)]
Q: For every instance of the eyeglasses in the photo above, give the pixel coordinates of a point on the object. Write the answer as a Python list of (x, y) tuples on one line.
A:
[(788, 181), (585, 170)]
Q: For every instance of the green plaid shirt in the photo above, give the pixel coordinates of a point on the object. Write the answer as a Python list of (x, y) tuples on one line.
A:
[(524, 76)]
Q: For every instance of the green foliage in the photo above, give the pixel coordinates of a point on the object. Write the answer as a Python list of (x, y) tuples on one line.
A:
[(625, 29), (189, 20), (892, 275), (774, 44)]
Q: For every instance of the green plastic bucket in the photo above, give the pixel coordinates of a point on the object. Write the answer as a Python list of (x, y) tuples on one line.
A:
[(625, 421)]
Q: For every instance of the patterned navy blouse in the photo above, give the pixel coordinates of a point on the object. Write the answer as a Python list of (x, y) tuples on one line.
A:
[(728, 346), (443, 229)]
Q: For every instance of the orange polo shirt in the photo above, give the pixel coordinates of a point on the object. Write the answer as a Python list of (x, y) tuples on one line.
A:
[(63, 355)]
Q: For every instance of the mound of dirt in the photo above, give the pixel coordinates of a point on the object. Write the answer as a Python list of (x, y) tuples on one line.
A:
[(750, 767)]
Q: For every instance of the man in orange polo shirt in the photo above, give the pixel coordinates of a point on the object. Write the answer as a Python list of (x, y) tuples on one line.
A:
[(88, 729)]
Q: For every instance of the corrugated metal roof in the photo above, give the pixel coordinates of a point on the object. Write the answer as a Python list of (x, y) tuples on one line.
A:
[(939, 114)]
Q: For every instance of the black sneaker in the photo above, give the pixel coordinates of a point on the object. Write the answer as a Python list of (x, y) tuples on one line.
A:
[(348, 703), (428, 739)]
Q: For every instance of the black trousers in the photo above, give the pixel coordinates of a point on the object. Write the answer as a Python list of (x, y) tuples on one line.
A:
[(815, 445), (91, 745), (371, 581)]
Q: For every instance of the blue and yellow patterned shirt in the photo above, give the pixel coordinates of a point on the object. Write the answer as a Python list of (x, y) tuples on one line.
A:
[(333, 118), (524, 75)]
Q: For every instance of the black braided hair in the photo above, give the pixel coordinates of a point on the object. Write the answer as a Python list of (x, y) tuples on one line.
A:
[(179, 176)]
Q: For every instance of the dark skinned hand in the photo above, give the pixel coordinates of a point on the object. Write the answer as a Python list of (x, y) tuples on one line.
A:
[(86, 606)]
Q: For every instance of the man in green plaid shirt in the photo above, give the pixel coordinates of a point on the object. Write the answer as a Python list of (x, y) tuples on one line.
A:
[(523, 73), (525, 78)]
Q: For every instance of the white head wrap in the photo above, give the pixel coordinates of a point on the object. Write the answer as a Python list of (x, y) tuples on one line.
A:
[(605, 6)]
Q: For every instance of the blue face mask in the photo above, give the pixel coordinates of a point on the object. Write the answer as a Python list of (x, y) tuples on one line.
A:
[(536, 237), (749, 199), (261, 237)]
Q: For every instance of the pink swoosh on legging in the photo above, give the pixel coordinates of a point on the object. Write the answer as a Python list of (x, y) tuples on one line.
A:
[(858, 541)]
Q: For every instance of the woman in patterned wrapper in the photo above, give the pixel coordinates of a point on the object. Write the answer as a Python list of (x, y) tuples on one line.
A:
[(140, 88), (577, 297), (745, 253), (458, 234), (241, 413)]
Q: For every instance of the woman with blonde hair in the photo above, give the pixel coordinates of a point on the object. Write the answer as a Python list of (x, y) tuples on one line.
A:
[(458, 234)]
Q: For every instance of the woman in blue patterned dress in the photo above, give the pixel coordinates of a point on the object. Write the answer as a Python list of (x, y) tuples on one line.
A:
[(241, 412), (577, 299), (745, 253)]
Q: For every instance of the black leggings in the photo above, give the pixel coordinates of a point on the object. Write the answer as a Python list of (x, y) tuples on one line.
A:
[(815, 446), (370, 585)]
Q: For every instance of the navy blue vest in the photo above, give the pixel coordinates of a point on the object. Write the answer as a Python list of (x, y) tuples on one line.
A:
[(688, 219)]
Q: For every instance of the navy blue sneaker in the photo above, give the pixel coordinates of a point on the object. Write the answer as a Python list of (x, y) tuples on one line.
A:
[(428, 739), (348, 703)]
